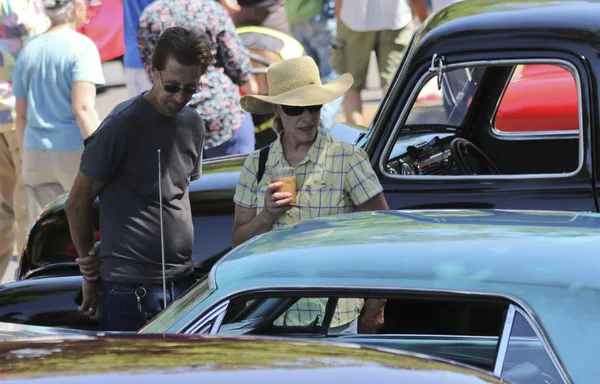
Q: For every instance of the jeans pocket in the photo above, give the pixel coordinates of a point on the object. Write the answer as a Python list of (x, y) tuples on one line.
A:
[(119, 309)]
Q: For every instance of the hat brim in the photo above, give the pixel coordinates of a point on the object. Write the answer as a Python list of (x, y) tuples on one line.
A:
[(300, 97)]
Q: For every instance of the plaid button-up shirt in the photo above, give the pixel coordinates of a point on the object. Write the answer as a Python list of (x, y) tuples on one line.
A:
[(335, 177), (20, 19)]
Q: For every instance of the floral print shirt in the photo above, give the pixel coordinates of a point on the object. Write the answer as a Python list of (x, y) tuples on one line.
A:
[(219, 101)]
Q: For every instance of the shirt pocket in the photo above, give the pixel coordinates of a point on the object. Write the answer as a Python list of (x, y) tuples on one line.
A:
[(321, 193)]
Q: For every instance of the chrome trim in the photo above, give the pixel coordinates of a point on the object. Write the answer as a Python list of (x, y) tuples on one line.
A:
[(217, 323), (408, 106), (504, 339), (540, 135), (212, 314), (546, 344)]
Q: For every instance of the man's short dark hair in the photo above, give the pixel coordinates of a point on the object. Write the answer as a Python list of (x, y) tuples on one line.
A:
[(186, 46)]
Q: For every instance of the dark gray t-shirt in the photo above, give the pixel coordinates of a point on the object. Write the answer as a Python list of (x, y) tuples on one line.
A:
[(123, 153)]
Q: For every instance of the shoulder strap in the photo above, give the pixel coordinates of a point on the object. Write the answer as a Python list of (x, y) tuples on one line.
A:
[(263, 156)]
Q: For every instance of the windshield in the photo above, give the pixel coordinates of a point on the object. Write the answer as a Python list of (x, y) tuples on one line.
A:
[(174, 312)]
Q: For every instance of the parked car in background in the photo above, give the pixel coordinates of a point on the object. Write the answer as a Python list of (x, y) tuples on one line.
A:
[(217, 360)]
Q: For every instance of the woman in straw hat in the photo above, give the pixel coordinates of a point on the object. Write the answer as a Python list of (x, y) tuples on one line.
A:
[(332, 177)]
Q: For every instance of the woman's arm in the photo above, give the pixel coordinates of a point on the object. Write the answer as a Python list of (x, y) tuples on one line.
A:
[(377, 203), (231, 53), (248, 224), (21, 122)]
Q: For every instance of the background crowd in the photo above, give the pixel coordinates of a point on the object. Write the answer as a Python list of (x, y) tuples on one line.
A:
[(49, 73)]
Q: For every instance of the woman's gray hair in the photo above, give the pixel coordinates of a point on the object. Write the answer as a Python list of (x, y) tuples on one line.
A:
[(64, 14)]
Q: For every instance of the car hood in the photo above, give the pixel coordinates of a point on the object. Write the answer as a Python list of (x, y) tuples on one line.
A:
[(224, 360)]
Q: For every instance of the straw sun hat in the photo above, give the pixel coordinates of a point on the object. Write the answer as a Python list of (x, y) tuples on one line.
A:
[(296, 82)]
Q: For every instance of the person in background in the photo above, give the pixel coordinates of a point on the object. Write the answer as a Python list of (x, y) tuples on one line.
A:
[(119, 165), (20, 19), (262, 13), (332, 177), (136, 76), (313, 24), (229, 130), (384, 26), (423, 8), (55, 88)]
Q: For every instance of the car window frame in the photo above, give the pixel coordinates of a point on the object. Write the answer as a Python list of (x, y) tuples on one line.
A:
[(505, 336), (427, 74), (533, 135)]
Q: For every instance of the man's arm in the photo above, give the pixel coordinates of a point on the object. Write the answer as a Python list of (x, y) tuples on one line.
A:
[(419, 9), (21, 122), (338, 8), (84, 107), (79, 210)]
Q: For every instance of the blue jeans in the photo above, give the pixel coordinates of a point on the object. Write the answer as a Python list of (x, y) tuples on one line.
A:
[(316, 35), (119, 309)]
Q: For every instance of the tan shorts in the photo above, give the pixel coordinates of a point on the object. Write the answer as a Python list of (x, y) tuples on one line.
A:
[(351, 52), (47, 175)]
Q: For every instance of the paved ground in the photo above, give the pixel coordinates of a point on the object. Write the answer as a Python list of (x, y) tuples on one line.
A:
[(116, 93)]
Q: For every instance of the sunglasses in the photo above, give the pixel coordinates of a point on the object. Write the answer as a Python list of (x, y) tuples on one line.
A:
[(297, 111), (176, 88)]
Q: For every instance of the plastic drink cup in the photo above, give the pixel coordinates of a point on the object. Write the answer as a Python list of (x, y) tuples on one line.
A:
[(287, 176)]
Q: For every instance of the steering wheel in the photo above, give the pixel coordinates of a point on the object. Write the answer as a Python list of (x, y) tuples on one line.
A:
[(470, 160)]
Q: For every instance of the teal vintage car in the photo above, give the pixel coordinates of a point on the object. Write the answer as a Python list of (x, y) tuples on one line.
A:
[(515, 293)]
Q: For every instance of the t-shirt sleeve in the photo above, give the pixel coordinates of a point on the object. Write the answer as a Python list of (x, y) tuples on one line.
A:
[(87, 66), (362, 183), (199, 143), (197, 172), (104, 150), (19, 87), (245, 192)]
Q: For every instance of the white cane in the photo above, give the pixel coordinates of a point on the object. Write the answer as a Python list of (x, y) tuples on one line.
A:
[(162, 238)]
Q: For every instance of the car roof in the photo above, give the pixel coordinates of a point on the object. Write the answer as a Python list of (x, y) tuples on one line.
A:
[(156, 358), (555, 250), (550, 19), (546, 262)]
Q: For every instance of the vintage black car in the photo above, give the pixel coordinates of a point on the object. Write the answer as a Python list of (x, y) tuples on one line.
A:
[(434, 142)]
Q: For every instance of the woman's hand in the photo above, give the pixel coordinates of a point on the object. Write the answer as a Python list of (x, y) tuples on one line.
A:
[(276, 202)]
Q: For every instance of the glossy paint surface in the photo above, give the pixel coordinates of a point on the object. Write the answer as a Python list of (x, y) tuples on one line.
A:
[(546, 261), (212, 360)]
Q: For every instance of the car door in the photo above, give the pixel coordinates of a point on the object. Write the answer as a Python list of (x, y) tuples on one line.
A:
[(544, 167)]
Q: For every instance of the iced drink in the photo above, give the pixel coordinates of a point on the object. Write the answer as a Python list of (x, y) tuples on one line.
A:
[(287, 176)]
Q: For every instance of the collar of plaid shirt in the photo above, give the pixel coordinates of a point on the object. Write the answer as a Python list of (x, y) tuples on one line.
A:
[(315, 153)]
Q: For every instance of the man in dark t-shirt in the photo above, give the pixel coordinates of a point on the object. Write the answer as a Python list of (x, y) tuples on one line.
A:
[(120, 165)]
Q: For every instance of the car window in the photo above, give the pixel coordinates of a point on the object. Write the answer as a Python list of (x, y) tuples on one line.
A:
[(539, 99), (464, 328), (448, 104), (491, 120), (526, 360)]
